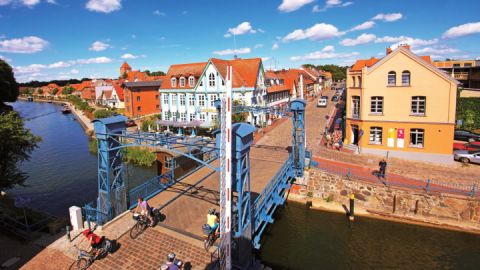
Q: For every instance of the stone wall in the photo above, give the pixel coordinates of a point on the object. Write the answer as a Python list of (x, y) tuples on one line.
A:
[(417, 205)]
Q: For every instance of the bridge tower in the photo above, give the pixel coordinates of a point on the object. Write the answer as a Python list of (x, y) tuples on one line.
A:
[(298, 136), (112, 192)]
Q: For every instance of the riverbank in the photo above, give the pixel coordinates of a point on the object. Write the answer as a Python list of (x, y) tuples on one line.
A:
[(79, 115), (329, 192)]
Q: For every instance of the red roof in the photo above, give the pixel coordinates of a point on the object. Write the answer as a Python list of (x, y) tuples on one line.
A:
[(245, 71), (136, 75), (183, 70), (290, 77), (427, 58), (364, 63), (119, 91), (125, 65)]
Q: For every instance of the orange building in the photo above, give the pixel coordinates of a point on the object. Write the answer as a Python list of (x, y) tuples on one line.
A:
[(142, 98)]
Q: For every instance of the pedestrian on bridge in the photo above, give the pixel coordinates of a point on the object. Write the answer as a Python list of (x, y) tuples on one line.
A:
[(382, 168)]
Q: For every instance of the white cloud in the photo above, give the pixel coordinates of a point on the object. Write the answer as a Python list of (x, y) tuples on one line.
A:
[(391, 17), (331, 4), (29, 3), (30, 44), (104, 6), (265, 59), (33, 68), (363, 26), (275, 46), (328, 52), (319, 31), (4, 58), (292, 5), (462, 30), (99, 46), (159, 13), (258, 46), (74, 71), (243, 28), (436, 50), (413, 42), (60, 64), (96, 60), (231, 51), (362, 39), (53, 2), (131, 56), (5, 2)]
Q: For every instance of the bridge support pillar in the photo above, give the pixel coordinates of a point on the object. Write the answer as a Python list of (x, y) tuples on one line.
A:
[(112, 192), (298, 136)]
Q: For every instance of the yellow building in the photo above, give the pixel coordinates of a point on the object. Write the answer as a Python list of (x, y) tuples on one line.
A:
[(403, 105)]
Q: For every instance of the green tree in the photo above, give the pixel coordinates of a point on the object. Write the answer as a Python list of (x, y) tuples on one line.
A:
[(55, 91), (469, 121), (338, 72), (16, 145), (9, 88), (67, 90), (102, 114), (40, 91)]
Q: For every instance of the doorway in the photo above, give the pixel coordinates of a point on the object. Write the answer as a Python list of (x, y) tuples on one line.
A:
[(355, 134)]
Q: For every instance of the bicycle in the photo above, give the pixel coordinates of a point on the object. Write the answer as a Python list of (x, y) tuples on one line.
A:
[(140, 226), (210, 238), (85, 258)]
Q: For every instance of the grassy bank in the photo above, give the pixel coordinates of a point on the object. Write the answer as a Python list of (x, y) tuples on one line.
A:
[(133, 155)]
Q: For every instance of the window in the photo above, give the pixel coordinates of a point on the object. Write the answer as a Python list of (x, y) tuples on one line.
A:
[(211, 79), (191, 81), (157, 106), (183, 117), (191, 100), (376, 105), (138, 98), (202, 117), (359, 81), (223, 82), (182, 100), (456, 65), (212, 100), (174, 99), (355, 107), (192, 116), (392, 78), (182, 82), (416, 137), (418, 105), (201, 83), (139, 108), (201, 100), (165, 99), (174, 82), (156, 96), (376, 135), (467, 64), (213, 117), (169, 162), (353, 80), (174, 116), (406, 78)]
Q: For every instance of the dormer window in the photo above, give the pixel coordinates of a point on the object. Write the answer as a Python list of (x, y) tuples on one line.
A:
[(173, 82), (211, 79), (182, 82), (191, 81)]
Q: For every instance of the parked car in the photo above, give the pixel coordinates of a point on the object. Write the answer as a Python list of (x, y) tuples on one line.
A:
[(465, 135), (322, 102), (467, 156), (471, 146), (130, 123)]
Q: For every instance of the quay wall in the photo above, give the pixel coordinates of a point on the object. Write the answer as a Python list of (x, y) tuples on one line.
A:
[(440, 209)]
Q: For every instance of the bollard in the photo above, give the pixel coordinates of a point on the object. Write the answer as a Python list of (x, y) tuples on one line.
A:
[(428, 185), (351, 214), (68, 234)]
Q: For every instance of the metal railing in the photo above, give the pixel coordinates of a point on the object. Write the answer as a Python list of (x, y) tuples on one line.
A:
[(92, 214), (394, 180), (151, 187)]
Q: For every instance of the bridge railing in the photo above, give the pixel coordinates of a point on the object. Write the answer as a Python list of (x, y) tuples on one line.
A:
[(92, 214), (270, 198), (428, 185), (150, 188)]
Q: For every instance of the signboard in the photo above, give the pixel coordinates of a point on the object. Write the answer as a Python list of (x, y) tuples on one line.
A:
[(400, 138), (391, 137), (210, 110)]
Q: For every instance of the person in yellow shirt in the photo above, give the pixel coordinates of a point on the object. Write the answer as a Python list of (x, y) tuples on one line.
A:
[(212, 220)]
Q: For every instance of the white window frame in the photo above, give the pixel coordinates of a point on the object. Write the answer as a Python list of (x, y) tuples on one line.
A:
[(183, 117), (174, 99), (211, 79), (165, 99), (376, 134), (392, 78), (191, 100), (355, 106), (212, 100), (417, 135), (201, 100), (416, 105), (191, 81), (192, 116), (182, 81), (376, 105), (203, 117), (173, 81), (406, 74), (182, 99), (213, 118)]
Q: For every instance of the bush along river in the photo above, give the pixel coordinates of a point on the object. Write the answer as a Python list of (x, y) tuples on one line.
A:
[(62, 172), (302, 238)]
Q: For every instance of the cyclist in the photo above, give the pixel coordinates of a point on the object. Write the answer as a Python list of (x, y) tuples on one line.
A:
[(94, 240), (144, 209), (171, 263), (212, 221)]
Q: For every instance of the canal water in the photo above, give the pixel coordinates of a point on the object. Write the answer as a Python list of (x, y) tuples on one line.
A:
[(62, 172), (308, 239)]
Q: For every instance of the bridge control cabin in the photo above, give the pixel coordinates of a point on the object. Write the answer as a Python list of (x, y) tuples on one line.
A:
[(181, 165)]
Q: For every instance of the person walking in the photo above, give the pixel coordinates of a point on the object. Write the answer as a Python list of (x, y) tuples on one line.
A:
[(382, 167)]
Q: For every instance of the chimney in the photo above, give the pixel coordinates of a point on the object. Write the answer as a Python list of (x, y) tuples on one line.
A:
[(406, 46), (389, 50)]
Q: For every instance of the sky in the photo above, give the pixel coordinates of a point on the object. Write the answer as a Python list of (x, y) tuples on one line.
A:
[(62, 39)]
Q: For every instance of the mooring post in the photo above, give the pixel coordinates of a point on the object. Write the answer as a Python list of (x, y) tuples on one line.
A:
[(351, 214)]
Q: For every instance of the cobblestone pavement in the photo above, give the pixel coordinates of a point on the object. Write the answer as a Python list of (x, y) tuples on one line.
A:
[(315, 123)]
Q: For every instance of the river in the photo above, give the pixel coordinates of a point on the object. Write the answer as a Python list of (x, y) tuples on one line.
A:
[(308, 239), (62, 172)]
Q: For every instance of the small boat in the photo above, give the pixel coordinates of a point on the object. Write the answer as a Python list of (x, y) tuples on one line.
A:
[(50, 101), (30, 99), (66, 110)]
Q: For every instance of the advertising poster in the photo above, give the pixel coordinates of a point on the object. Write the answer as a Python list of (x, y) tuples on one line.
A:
[(391, 137), (400, 138)]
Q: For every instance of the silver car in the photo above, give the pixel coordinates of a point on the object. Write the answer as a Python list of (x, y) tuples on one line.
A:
[(467, 156)]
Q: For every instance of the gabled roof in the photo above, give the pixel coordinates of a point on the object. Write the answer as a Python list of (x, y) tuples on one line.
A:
[(107, 94), (136, 75), (364, 63), (183, 70), (290, 77), (125, 65), (156, 84), (245, 71), (119, 91)]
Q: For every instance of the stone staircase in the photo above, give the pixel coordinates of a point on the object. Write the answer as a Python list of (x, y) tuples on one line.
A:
[(351, 148)]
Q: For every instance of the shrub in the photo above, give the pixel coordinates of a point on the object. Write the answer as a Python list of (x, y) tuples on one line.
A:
[(102, 113), (139, 156)]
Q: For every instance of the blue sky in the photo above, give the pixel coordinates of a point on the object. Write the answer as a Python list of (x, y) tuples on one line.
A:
[(59, 39)]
